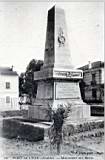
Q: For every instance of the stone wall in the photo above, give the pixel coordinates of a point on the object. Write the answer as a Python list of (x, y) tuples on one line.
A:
[(70, 129), (13, 113), (15, 128)]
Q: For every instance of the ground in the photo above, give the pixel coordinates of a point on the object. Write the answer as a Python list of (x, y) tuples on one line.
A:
[(74, 147), (91, 148)]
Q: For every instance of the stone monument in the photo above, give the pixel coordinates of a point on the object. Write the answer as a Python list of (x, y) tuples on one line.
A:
[(58, 81)]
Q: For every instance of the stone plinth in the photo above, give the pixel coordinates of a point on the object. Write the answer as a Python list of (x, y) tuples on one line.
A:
[(58, 81)]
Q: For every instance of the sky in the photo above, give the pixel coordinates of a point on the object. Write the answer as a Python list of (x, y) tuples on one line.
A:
[(23, 32)]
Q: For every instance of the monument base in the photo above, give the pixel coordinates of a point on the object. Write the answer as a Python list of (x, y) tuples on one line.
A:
[(58, 81), (41, 110), (52, 93)]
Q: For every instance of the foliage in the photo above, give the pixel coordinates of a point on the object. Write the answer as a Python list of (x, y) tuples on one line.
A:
[(34, 65), (27, 84), (21, 84), (55, 132), (89, 126)]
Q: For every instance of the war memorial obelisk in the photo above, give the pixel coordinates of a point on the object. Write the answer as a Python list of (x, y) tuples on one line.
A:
[(58, 81)]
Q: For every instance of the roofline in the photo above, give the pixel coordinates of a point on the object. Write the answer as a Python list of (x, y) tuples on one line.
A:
[(96, 64)]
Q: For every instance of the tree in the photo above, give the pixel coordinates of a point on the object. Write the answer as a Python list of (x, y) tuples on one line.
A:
[(55, 132), (34, 65), (21, 84), (27, 84)]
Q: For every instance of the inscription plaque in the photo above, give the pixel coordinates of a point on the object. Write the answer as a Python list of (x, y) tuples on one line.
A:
[(65, 90), (68, 74)]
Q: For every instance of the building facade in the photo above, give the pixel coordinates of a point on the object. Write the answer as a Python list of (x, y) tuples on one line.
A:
[(92, 85), (9, 89)]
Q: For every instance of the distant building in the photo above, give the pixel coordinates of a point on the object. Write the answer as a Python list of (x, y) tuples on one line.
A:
[(92, 85), (9, 89)]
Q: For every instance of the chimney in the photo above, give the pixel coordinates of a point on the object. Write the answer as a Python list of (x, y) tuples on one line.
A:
[(89, 64), (12, 67)]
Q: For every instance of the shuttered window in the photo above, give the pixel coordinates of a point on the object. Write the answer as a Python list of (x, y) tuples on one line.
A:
[(7, 85)]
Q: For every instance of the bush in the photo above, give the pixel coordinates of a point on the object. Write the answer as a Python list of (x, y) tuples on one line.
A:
[(87, 126)]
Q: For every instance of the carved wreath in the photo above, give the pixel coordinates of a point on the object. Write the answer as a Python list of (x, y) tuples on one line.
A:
[(61, 38)]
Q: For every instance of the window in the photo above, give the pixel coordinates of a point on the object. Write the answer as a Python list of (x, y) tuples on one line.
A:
[(94, 93), (93, 82), (7, 99), (93, 77), (7, 85)]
